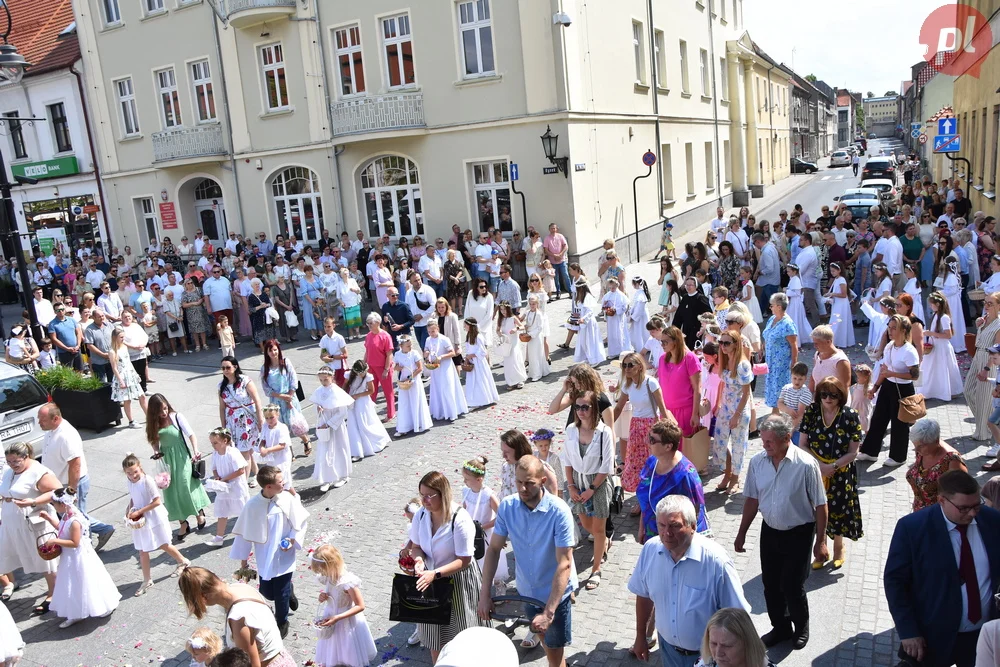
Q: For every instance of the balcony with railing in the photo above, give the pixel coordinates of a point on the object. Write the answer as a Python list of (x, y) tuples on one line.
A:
[(245, 13), (188, 143), (378, 113)]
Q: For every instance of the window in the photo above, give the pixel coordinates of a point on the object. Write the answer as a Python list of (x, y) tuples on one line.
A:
[(659, 60), (272, 62), (391, 189), (727, 163), (112, 14), (146, 215), (995, 144), (637, 53), (60, 127), (685, 87), (16, 135), (398, 51), (709, 166), (723, 79), (492, 193), (126, 102), (204, 98), (153, 6), (706, 72), (476, 32), (299, 205), (668, 173), (170, 106), (350, 62), (689, 164), (841, 115), (982, 149), (722, 9)]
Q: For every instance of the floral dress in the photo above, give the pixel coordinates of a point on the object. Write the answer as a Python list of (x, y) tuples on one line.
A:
[(729, 273), (197, 316), (779, 356), (735, 440), (829, 443), (454, 290), (241, 416), (282, 381), (132, 390), (925, 480)]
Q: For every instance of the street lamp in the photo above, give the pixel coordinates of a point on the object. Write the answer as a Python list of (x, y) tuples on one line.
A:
[(550, 144)]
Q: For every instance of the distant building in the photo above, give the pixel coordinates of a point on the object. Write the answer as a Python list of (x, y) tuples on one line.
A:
[(881, 115)]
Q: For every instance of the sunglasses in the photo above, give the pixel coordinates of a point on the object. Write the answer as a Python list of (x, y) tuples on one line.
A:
[(583, 407), (725, 343), (629, 365), (823, 395)]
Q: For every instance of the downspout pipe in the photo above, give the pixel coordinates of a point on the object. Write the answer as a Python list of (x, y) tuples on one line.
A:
[(656, 109), (93, 156), (229, 127), (715, 111), (770, 118)]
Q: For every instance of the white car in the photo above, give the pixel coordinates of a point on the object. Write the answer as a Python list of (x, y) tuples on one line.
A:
[(865, 192), (840, 159), (884, 186)]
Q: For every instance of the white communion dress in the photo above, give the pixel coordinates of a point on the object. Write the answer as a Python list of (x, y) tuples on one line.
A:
[(333, 447), (155, 530), (11, 644), (796, 310), (618, 330), (951, 287), (514, 372), (913, 289), (480, 387), (365, 431), (351, 642), (83, 589), (638, 318), (589, 342), (536, 325), (478, 506), (940, 376), (412, 412), (447, 398), (841, 320), (230, 503)]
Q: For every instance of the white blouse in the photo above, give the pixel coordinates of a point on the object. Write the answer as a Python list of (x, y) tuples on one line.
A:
[(444, 545), (596, 460)]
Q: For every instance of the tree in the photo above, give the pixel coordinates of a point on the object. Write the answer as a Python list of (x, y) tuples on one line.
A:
[(891, 93), (870, 94), (811, 78)]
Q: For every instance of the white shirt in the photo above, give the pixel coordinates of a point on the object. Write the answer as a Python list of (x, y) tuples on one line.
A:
[(95, 278), (219, 292), (944, 217), (900, 360), (430, 267), (807, 264), (178, 291), (740, 242), (205, 262), (639, 397), (111, 304), (787, 497), (688, 592), (333, 345), (272, 437), (428, 295), (199, 245), (60, 446), (982, 561), (231, 245), (719, 224), (444, 546)]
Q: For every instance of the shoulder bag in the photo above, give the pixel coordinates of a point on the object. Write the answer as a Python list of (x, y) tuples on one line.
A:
[(479, 540), (617, 492), (431, 607), (911, 408), (197, 466)]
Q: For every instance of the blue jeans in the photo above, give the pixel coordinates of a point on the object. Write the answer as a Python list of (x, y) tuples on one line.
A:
[(279, 591), (494, 284), (421, 333), (562, 278), (560, 632), (82, 488), (766, 292), (671, 658), (104, 372)]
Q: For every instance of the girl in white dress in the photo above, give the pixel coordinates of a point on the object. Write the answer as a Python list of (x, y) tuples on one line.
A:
[(536, 325), (940, 376), (126, 386), (509, 327), (84, 589), (748, 295), (481, 502), (365, 431), (616, 315), (203, 645), (147, 517), (344, 636), (637, 315), (590, 344), (840, 309), (229, 468), (447, 398), (412, 413), (913, 289), (796, 310), (479, 306), (949, 284), (276, 445), (11, 644), (881, 280), (333, 451), (535, 289), (480, 387)]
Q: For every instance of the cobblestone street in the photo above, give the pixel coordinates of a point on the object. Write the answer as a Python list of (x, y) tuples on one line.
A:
[(850, 621)]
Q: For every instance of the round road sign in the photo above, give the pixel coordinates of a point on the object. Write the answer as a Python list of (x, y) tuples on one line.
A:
[(649, 158), (922, 139)]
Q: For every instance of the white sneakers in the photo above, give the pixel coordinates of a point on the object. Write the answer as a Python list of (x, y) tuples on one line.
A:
[(993, 451), (865, 457), (893, 463), (414, 638), (216, 541)]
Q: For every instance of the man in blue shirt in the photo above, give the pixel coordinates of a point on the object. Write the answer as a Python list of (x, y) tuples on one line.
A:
[(66, 337), (397, 318), (540, 528)]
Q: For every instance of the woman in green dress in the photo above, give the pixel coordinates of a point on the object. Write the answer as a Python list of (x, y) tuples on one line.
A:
[(831, 432), (173, 441)]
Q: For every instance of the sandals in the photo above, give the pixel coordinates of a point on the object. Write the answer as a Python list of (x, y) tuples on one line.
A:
[(201, 520), (8, 590), (563, 346), (180, 568), (145, 587), (992, 466), (531, 640), (41, 609), (308, 449), (593, 581)]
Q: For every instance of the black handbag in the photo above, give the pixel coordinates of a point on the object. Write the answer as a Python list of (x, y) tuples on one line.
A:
[(198, 468), (173, 327), (431, 607), (299, 393)]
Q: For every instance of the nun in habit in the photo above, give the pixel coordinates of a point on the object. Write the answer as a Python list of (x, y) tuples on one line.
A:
[(333, 448), (447, 397)]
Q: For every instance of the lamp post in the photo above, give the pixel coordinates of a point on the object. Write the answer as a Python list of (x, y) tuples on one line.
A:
[(550, 144), (12, 66)]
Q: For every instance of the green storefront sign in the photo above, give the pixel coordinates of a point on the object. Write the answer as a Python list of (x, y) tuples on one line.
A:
[(62, 166)]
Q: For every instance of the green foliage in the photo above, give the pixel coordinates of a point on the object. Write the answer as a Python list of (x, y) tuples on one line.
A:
[(61, 377), (811, 78)]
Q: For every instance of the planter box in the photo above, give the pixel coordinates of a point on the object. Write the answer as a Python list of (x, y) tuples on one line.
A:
[(92, 410)]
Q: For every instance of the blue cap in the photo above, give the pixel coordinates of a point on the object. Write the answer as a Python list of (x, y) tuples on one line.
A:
[(994, 349), (669, 225)]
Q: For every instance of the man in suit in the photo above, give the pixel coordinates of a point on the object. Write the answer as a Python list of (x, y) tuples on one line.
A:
[(942, 569)]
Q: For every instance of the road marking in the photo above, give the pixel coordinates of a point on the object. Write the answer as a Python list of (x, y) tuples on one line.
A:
[(826, 178)]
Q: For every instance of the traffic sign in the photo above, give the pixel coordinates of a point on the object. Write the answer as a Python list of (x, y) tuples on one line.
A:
[(513, 171), (649, 158), (948, 143), (947, 126), (915, 132), (922, 138), (915, 126)]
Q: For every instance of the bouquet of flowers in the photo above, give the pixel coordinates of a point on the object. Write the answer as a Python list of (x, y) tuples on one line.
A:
[(407, 564), (245, 574), (162, 474)]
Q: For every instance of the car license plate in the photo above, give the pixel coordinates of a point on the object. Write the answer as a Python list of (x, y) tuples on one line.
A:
[(15, 431)]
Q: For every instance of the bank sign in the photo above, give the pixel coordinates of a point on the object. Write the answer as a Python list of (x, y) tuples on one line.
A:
[(63, 166)]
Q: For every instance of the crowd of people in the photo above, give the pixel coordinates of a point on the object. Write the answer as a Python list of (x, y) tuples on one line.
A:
[(444, 321)]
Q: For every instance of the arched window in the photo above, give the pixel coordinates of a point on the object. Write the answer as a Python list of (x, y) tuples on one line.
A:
[(299, 203), (208, 189), (391, 188), (210, 209)]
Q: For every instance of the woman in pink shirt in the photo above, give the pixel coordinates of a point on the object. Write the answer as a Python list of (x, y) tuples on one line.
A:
[(680, 378), (378, 356)]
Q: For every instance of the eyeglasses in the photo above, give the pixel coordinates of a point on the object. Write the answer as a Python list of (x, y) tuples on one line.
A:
[(965, 509), (582, 407), (725, 343), (429, 496), (823, 395)]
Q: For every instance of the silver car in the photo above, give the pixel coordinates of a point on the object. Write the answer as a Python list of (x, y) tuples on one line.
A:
[(20, 398), (840, 159)]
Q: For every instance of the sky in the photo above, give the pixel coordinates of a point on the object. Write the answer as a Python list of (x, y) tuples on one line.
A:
[(862, 45)]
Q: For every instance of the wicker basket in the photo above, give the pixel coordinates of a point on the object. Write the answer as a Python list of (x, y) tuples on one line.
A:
[(610, 311), (51, 553), (431, 366), (137, 524), (467, 366), (976, 294), (405, 384), (524, 338)]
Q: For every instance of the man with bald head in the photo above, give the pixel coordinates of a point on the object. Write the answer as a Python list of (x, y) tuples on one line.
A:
[(539, 525)]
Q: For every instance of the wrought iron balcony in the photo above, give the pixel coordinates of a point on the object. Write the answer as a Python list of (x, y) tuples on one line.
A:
[(378, 113), (244, 13), (188, 142)]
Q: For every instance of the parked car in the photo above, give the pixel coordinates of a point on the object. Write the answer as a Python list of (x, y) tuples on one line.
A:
[(864, 192), (859, 208), (871, 135), (800, 166), (840, 159), (879, 167), (885, 187), (20, 398)]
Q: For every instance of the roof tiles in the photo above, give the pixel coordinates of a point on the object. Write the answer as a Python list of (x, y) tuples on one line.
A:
[(36, 28)]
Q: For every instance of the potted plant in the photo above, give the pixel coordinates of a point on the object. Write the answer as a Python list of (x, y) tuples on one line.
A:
[(85, 402)]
